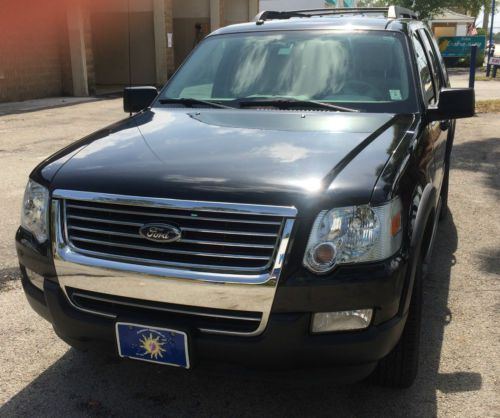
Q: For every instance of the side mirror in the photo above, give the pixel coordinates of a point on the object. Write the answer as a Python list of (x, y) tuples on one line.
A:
[(136, 99), (453, 104)]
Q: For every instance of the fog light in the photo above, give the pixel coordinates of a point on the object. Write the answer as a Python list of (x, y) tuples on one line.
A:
[(35, 279), (341, 321)]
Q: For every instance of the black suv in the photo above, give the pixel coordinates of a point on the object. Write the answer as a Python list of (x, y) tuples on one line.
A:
[(274, 206)]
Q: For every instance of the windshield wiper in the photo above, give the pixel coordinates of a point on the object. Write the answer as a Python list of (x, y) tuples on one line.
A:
[(290, 103), (189, 102)]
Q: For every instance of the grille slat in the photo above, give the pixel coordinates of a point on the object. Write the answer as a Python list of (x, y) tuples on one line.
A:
[(197, 218), (185, 241), (168, 251), (211, 239), (194, 317), (208, 231)]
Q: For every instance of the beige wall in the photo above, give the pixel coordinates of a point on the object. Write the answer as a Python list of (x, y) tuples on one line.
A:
[(33, 50), (236, 11), (444, 30), (41, 57), (191, 23)]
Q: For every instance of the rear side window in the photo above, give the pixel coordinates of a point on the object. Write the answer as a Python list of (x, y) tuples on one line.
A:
[(424, 70)]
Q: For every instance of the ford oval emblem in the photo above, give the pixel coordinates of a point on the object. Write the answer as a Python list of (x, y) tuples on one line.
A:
[(160, 232)]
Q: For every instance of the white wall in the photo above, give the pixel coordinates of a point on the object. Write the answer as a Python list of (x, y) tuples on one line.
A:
[(461, 29), (291, 4)]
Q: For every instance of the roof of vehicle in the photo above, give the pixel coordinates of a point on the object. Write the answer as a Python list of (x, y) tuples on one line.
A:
[(333, 22), (340, 21)]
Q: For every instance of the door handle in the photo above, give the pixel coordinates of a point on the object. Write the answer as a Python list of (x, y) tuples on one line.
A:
[(444, 125)]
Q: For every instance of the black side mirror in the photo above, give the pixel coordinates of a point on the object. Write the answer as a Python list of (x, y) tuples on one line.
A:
[(136, 99), (453, 104)]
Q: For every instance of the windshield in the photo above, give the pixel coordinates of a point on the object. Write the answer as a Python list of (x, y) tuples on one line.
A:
[(367, 71)]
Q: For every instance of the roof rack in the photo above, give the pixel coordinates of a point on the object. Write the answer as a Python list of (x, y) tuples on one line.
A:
[(391, 12)]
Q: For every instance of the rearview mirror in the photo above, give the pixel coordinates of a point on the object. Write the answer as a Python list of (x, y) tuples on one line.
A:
[(453, 104), (136, 99)]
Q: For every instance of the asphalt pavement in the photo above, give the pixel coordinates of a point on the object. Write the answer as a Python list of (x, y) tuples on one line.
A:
[(41, 376)]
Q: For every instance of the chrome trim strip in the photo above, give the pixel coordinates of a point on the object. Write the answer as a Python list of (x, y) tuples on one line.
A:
[(106, 221), (240, 208), (169, 251), (207, 231), (159, 308), (184, 241), (168, 215), (228, 291), (153, 262), (221, 231)]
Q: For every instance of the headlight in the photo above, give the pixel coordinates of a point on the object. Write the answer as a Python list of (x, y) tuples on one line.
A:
[(352, 235), (34, 213)]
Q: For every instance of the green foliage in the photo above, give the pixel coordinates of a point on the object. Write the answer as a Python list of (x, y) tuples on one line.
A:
[(465, 61), (427, 8)]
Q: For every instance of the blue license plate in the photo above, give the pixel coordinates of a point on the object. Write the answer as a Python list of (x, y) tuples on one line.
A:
[(156, 345)]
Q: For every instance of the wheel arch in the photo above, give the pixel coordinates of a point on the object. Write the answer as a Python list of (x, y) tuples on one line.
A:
[(422, 232)]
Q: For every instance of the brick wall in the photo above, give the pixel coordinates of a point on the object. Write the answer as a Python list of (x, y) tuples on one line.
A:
[(33, 50), (169, 26), (89, 55)]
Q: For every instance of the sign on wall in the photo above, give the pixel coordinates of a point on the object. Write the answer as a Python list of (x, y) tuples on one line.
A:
[(459, 46)]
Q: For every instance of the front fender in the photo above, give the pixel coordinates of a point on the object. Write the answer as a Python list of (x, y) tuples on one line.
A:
[(422, 223)]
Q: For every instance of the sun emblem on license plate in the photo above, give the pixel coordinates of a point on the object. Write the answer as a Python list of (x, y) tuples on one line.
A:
[(152, 346)]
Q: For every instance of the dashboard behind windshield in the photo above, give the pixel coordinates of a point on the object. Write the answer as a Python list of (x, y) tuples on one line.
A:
[(364, 70)]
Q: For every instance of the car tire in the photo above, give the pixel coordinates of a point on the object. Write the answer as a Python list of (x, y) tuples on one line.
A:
[(399, 368)]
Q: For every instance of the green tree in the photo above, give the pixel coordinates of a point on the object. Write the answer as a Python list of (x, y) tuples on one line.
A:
[(427, 8)]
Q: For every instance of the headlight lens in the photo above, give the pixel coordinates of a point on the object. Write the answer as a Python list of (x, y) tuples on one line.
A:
[(34, 212), (353, 234)]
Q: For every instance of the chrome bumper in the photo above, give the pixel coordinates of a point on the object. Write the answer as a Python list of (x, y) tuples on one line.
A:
[(252, 293)]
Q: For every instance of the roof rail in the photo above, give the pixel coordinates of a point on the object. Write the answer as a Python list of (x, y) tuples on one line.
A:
[(392, 12)]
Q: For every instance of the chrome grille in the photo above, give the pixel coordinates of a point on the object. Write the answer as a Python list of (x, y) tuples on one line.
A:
[(213, 238)]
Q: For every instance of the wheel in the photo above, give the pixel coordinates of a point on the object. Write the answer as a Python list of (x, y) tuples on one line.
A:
[(399, 368)]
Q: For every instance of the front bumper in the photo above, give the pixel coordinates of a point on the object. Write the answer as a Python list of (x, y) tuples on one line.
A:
[(286, 342)]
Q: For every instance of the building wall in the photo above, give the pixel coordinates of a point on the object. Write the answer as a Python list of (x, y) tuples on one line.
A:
[(191, 23), (169, 27), (444, 30), (33, 50), (236, 11), (48, 47), (291, 4)]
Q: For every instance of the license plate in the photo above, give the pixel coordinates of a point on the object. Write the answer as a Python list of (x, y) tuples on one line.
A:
[(152, 344)]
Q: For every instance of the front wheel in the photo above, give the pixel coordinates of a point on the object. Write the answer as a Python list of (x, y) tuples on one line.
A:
[(399, 368)]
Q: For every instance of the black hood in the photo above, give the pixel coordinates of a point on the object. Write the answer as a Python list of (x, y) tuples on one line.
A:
[(250, 156)]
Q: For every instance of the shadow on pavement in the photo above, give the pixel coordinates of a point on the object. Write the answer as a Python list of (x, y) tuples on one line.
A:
[(85, 384), (9, 276), (480, 156)]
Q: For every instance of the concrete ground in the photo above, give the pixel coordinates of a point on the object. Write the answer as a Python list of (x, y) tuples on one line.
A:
[(485, 90), (41, 376)]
